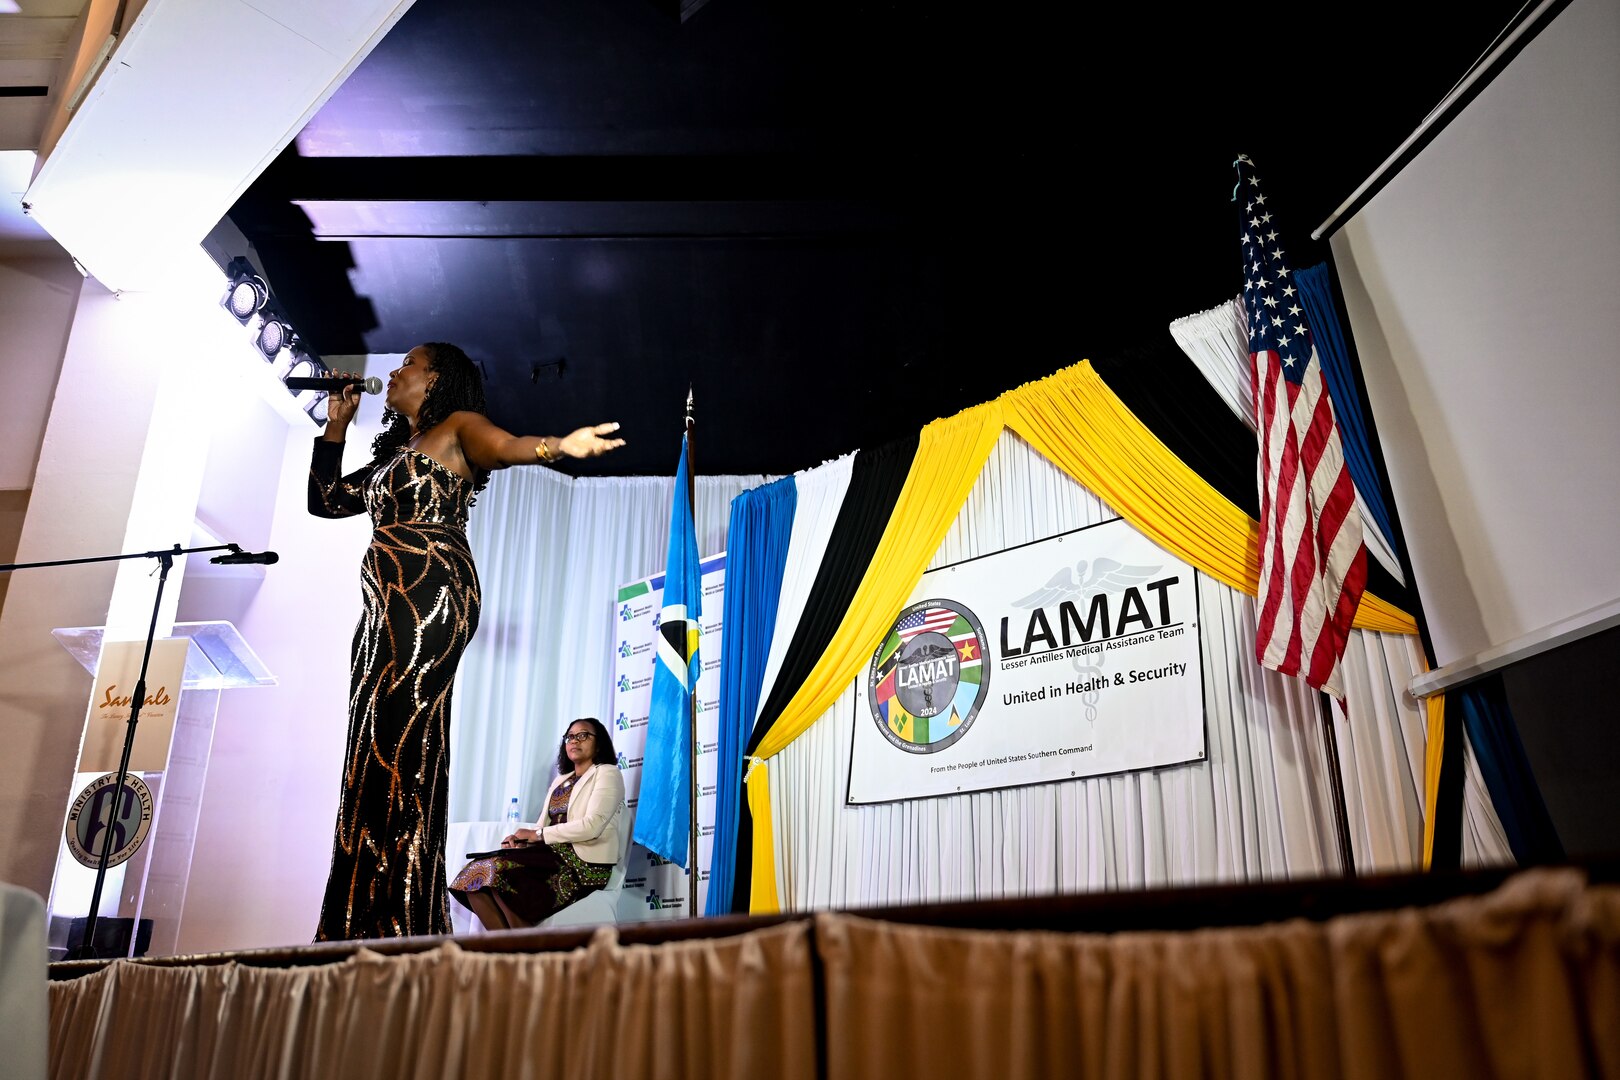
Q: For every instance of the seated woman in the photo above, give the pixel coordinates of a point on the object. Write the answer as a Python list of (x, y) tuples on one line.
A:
[(572, 848)]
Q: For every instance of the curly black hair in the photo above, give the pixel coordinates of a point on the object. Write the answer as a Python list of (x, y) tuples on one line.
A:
[(604, 754), (457, 385)]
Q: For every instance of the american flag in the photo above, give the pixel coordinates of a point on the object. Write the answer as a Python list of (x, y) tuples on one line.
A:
[(923, 620), (1313, 565)]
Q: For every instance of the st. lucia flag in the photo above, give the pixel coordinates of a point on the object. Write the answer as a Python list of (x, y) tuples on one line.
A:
[(664, 812)]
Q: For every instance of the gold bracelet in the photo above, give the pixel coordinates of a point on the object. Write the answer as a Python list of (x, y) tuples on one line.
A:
[(543, 452)]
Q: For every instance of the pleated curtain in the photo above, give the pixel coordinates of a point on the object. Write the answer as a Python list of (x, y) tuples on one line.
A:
[(723, 1009), (1521, 982), (1524, 982), (1260, 806), (1074, 419), (551, 551)]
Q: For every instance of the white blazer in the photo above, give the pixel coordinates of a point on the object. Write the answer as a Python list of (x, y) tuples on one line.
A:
[(595, 815)]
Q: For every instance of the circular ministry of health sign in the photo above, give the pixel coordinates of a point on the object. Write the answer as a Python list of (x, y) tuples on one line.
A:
[(96, 810)]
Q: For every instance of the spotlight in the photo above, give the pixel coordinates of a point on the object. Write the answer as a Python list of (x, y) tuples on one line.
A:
[(246, 293), (273, 336), (307, 366)]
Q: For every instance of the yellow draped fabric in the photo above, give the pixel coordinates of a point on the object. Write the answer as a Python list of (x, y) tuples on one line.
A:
[(1376, 613), (1081, 426), (1433, 753), (762, 884), (1076, 422)]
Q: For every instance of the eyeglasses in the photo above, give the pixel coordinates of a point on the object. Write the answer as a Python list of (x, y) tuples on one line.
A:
[(578, 736)]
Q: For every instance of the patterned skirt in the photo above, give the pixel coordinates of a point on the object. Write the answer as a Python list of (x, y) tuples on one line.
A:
[(534, 882)]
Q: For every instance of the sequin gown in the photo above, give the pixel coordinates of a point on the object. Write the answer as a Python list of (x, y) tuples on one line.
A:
[(420, 592)]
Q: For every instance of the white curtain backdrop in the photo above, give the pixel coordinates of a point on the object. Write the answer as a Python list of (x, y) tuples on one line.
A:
[(1217, 341), (550, 552), (1259, 807)]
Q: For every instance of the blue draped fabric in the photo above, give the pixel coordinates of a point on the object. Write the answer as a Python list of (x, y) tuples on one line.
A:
[(1316, 290), (1505, 768), (756, 554)]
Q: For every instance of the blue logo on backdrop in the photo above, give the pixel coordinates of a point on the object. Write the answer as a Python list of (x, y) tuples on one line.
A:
[(659, 903), (622, 722), (624, 612), (624, 648), (624, 684)]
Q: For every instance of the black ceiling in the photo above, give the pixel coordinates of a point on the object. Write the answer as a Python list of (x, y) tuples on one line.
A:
[(835, 221)]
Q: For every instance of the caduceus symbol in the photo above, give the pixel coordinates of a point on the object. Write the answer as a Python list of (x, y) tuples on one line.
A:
[(1078, 585)]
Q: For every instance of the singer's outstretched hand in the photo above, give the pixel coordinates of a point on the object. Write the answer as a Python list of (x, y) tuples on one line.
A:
[(589, 441)]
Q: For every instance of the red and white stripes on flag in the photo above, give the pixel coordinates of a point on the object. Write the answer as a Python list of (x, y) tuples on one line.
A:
[(1313, 565)]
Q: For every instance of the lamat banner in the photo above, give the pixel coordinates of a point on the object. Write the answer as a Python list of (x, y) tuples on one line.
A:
[(1073, 656)]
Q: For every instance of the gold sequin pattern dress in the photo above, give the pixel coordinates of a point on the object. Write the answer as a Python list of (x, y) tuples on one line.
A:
[(421, 604)]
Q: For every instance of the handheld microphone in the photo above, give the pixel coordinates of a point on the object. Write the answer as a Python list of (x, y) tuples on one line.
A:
[(332, 384), (238, 558)]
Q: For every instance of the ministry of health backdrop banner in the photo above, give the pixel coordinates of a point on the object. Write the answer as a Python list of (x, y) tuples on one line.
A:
[(1073, 656), (653, 887)]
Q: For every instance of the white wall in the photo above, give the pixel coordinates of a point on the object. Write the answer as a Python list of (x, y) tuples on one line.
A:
[(1484, 291), (39, 290)]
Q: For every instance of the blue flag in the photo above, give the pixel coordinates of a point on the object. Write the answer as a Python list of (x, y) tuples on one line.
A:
[(664, 810)]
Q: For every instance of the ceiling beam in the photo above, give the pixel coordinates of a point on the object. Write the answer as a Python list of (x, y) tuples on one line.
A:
[(611, 178), (574, 220)]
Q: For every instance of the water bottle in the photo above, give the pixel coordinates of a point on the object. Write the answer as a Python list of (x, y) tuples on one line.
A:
[(513, 820)]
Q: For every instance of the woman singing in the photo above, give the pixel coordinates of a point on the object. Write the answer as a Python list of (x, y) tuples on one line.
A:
[(421, 602)]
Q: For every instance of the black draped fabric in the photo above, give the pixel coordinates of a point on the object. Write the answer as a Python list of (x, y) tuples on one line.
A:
[(421, 604), (875, 482), (1165, 390)]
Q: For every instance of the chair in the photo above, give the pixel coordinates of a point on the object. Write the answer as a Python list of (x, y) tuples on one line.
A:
[(591, 909), (601, 906)]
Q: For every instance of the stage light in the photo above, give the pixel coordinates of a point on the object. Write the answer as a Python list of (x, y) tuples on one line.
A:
[(307, 366), (293, 351), (246, 293), (313, 402), (273, 336)]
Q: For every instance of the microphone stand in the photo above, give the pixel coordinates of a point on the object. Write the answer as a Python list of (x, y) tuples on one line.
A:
[(87, 946)]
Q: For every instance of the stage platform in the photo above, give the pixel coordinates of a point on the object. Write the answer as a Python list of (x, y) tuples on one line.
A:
[(1393, 975)]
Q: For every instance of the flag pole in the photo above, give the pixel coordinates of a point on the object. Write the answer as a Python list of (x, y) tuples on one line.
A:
[(692, 677), (1341, 810)]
